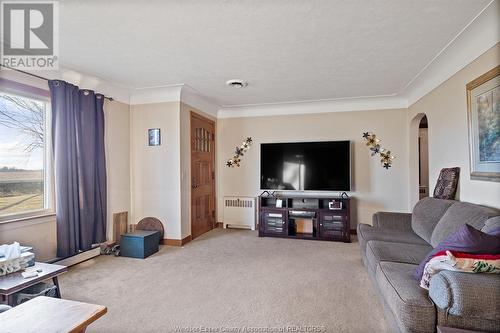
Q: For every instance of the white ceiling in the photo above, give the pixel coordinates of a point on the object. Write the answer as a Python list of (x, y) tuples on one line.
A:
[(286, 50)]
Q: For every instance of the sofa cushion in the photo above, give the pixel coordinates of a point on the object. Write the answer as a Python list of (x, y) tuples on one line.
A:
[(366, 233), (377, 251), (426, 215), (408, 302), (458, 214)]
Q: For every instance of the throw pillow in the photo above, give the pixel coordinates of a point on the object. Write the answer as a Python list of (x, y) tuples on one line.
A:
[(446, 186), (466, 239)]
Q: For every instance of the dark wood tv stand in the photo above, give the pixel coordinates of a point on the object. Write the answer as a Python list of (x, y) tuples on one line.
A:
[(304, 217)]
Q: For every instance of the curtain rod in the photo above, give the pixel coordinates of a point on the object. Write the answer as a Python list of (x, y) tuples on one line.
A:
[(42, 78)]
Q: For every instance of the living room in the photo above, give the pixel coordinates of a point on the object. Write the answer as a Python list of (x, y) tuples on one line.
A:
[(245, 166)]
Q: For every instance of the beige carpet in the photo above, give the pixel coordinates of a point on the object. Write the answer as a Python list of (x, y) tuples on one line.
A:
[(231, 281)]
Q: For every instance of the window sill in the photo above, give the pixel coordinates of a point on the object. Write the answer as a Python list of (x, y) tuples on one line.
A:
[(32, 216)]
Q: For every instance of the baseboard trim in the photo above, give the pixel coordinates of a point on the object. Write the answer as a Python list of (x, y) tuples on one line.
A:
[(176, 242), (79, 258)]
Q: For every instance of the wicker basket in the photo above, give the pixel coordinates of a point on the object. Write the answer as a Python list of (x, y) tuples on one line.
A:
[(39, 289)]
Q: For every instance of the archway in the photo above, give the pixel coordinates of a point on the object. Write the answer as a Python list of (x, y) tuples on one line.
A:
[(423, 158), (419, 158)]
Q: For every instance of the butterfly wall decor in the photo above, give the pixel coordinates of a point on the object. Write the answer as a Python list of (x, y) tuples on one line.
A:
[(238, 153), (373, 144)]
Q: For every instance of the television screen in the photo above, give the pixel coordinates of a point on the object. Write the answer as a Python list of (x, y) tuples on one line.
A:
[(303, 166)]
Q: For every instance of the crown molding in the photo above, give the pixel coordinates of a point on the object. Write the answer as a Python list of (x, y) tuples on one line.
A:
[(84, 81), (175, 93), (197, 100), (156, 94), (322, 106), (477, 37), (102, 86)]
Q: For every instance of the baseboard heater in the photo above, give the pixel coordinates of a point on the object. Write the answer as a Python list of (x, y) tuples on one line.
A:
[(239, 212), (79, 257)]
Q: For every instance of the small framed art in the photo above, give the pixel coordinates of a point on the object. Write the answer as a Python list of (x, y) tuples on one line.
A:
[(154, 137)]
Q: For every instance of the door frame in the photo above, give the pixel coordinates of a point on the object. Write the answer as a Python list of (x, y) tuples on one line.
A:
[(193, 114)]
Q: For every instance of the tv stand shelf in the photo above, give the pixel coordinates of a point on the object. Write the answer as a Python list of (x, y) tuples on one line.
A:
[(301, 217)]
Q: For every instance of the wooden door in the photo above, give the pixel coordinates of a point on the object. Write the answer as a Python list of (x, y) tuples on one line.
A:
[(202, 175)]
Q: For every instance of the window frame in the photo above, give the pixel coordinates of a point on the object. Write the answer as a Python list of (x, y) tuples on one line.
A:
[(26, 91)]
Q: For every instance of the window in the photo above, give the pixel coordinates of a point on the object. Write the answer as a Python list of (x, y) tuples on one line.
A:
[(24, 167)]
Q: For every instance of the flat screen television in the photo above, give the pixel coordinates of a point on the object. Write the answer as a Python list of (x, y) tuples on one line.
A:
[(306, 166)]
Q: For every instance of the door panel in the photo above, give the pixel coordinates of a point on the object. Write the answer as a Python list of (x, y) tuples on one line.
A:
[(202, 175)]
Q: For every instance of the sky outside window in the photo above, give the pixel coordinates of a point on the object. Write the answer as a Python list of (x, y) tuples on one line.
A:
[(22, 143)]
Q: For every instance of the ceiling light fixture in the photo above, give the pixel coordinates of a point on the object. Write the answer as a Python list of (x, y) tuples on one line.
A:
[(235, 83)]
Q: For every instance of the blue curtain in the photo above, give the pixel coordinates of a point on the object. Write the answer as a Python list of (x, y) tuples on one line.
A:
[(80, 167)]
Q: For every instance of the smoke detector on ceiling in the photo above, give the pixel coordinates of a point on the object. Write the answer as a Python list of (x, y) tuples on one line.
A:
[(237, 83)]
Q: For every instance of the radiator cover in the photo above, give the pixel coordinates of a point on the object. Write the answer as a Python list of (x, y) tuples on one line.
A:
[(239, 212)]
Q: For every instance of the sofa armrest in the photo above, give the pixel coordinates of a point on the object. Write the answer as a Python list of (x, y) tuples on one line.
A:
[(467, 294), (394, 221)]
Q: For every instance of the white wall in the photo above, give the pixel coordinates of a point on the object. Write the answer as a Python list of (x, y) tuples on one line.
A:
[(40, 233), (446, 110), (185, 159), (155, 171), (375, 188), (117, 136)]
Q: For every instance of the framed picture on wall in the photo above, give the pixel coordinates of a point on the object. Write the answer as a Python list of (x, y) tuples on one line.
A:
[(483, 114), (154, 137)]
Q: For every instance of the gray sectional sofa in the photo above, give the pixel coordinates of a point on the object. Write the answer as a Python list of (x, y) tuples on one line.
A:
[(396, 243)]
